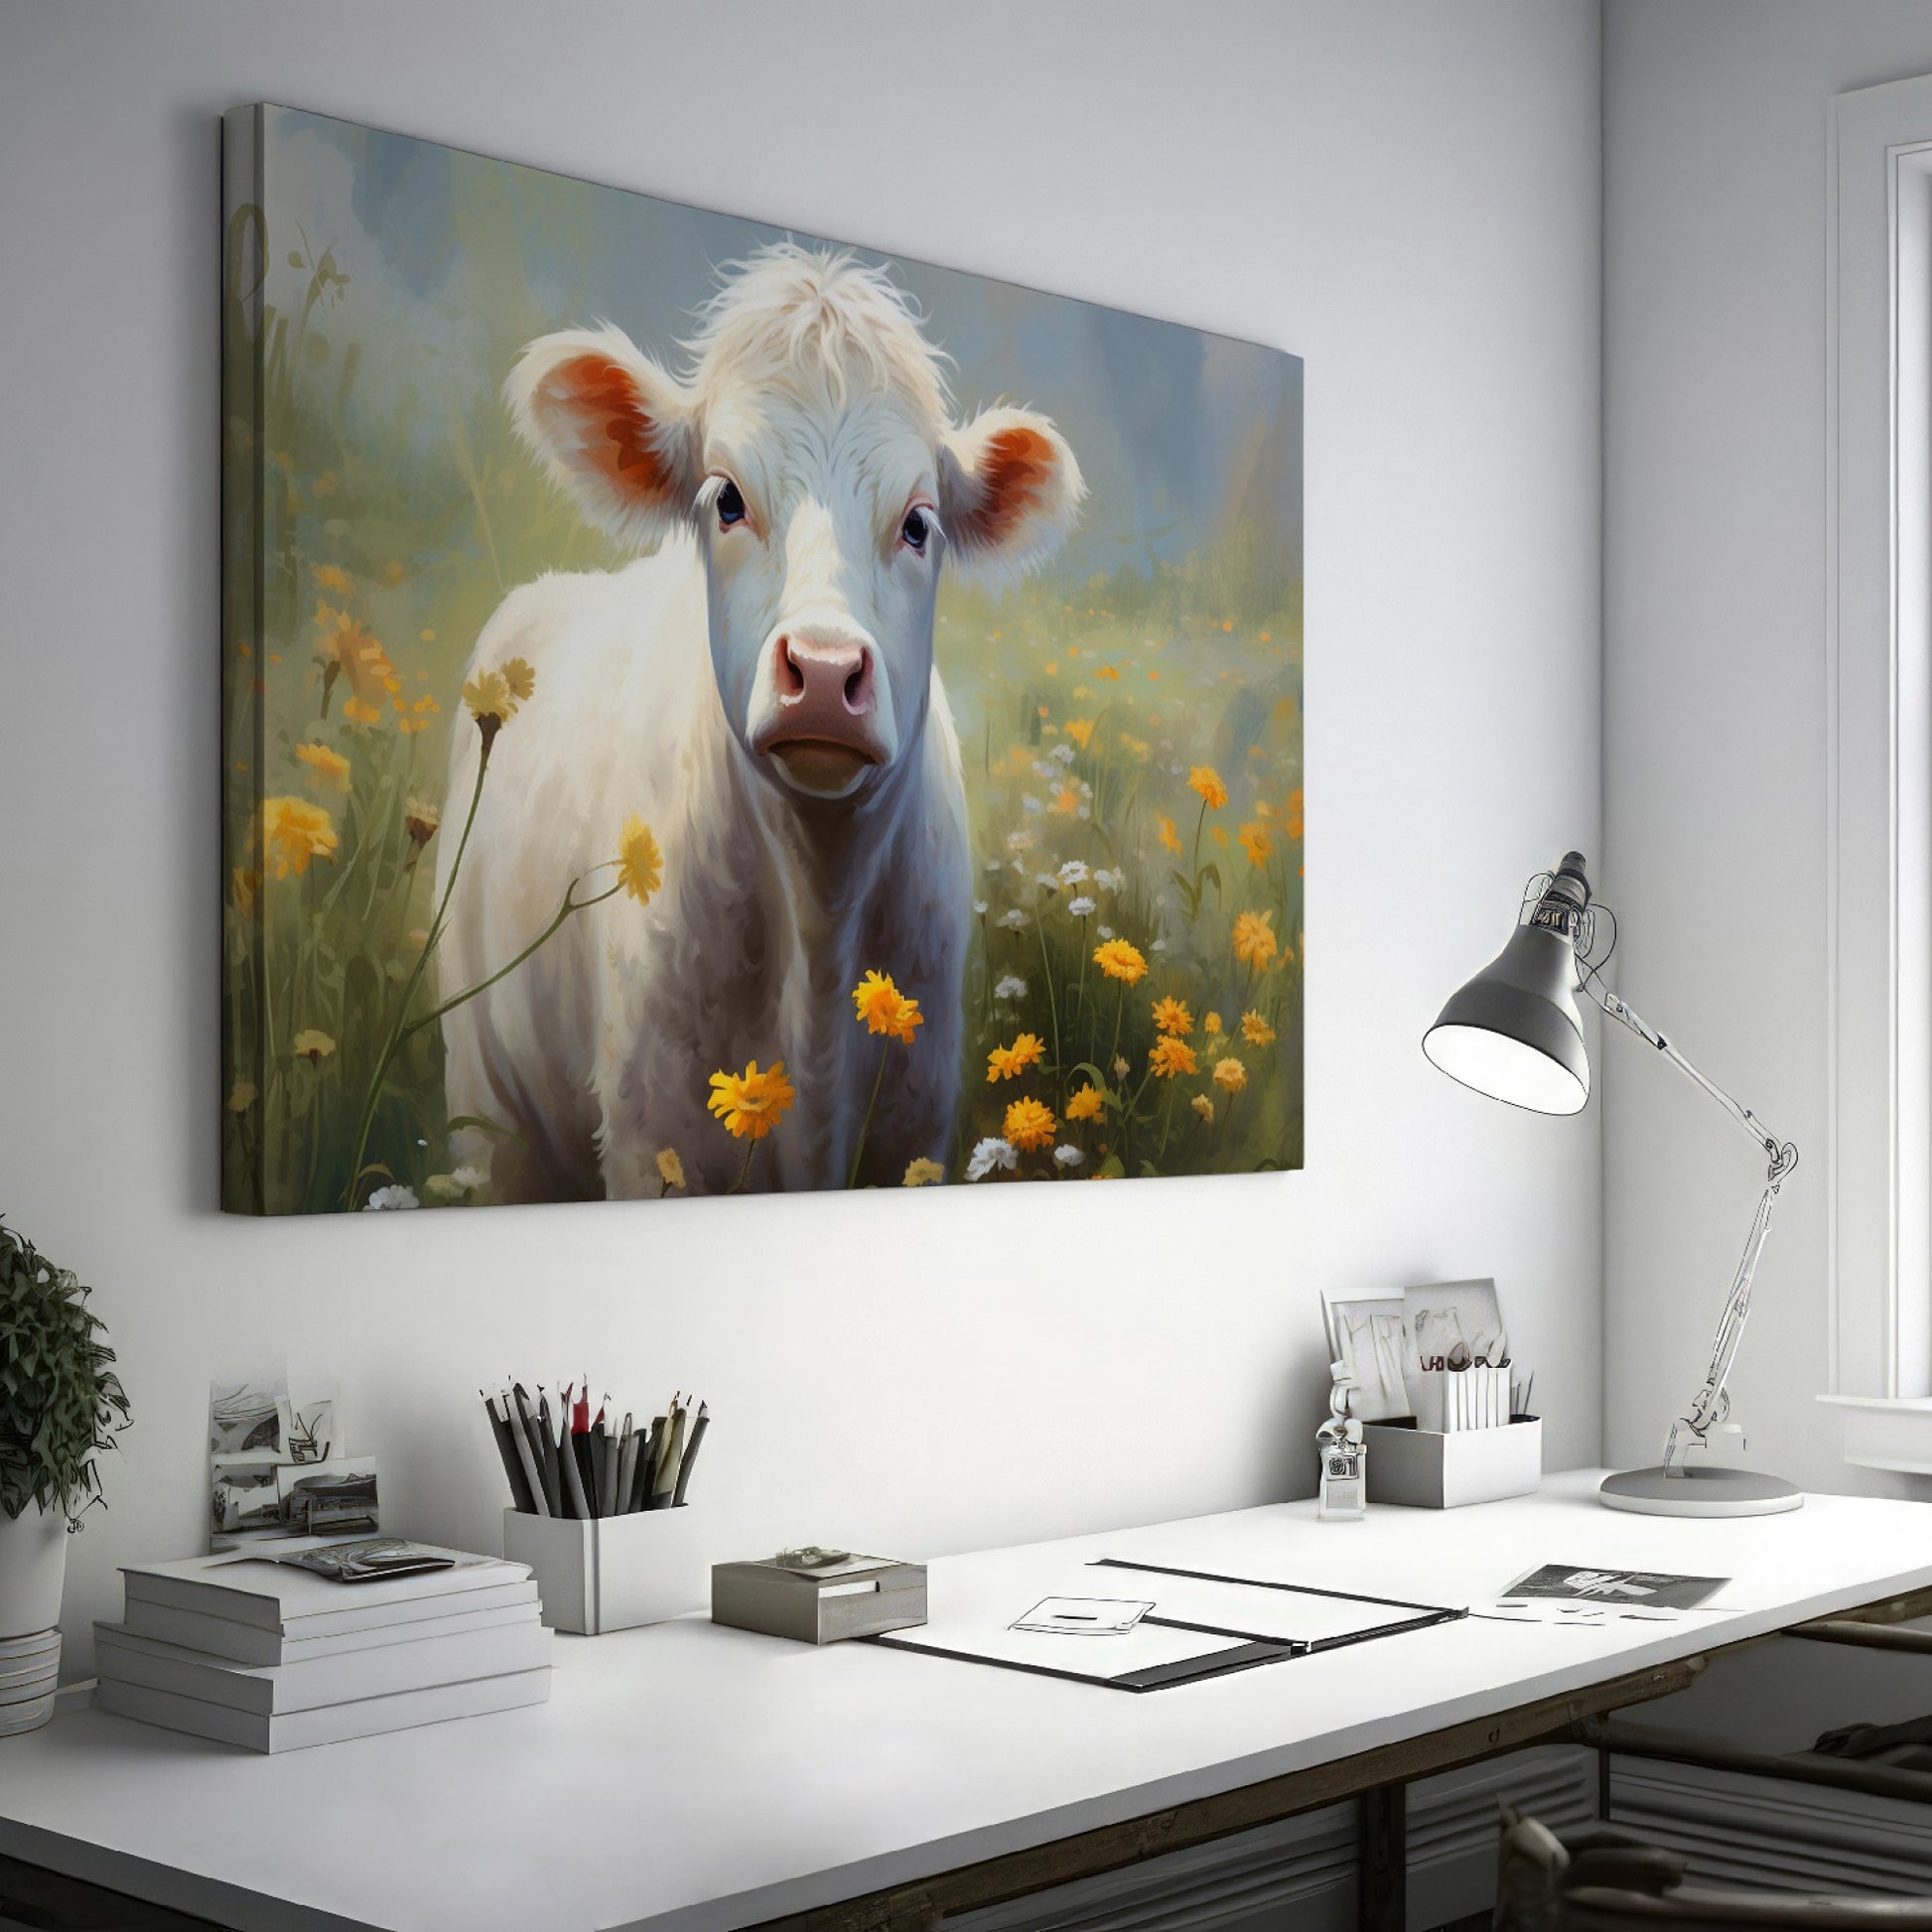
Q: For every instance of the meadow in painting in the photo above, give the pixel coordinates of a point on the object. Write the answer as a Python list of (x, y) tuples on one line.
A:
[(709, 710)]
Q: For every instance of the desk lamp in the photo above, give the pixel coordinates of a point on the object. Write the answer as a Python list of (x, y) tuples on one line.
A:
[(1514, 1032)]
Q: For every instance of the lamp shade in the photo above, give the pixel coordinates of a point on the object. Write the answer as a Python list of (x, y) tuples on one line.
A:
[(1513, 1031)]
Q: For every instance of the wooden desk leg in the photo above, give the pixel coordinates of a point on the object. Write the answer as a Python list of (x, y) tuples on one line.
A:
[(1382, 1873)]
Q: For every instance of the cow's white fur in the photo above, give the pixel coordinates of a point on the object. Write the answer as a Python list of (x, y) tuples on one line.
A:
[(811, 384)]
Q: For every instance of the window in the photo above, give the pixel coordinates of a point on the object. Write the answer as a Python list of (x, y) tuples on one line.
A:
[(1878, 486)]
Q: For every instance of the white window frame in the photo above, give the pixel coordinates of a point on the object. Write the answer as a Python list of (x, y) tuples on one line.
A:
[(1878, 697)]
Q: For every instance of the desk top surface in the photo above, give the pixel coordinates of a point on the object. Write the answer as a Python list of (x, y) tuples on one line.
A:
[(688, 1777)]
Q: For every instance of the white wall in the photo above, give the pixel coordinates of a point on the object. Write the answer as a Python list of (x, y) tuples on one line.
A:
[(1715, 141), (1405, 193)]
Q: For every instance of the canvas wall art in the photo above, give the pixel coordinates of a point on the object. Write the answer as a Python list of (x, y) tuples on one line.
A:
[(711, 710)]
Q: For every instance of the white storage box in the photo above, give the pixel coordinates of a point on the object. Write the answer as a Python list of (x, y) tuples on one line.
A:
[(1420, 1467), (612, 1573)]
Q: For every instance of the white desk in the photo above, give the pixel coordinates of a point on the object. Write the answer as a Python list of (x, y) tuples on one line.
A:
[(689, 1777)]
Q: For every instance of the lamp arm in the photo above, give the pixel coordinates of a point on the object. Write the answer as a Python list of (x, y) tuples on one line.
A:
[(1711, 1404)]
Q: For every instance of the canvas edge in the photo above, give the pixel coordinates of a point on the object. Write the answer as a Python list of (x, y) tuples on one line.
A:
[(243, 1050)]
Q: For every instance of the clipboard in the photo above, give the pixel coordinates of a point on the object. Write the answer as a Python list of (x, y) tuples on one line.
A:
[(1203, 1625)]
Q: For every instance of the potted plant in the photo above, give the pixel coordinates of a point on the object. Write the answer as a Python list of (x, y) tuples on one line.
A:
[(61, 1405)]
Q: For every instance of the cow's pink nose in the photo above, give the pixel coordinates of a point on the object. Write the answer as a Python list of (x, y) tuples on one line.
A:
[(823, 686)]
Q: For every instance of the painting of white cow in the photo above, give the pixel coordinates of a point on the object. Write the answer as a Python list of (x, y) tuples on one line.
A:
[(714, 711)]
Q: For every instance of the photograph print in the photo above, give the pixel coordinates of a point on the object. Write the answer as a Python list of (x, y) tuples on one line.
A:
[(711, 710)]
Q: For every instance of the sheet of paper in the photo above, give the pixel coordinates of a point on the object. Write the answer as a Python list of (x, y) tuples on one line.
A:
[(1256, 1612)]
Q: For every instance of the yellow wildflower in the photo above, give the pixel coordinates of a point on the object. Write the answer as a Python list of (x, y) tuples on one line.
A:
[(1170, 838), (358, 713), (922, 1172), (670, 1170), (395, 571), (1255, 943), (1294, 819), (1204, 1107), (326, 763), (1080, 730), (242, 1097), (420, 819), (885, 1009), (519, 675), (1170, 1016), (640, 863), (1168, 1056), (1256, 843), (1230, 1076), (488, 695), (1029, 1124), (1109, 672), (1256, 1031), (1067, 800), (247, 883), (1005, 1063), (1205, 783), (1085, 1105), (313, 1046), (751, 1104), (331, 577), (294, 832), (348, 650), (1120, 961), (1220, 834), (1212, 1025)]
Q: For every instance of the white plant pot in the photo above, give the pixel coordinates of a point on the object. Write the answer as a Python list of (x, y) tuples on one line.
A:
[(33, 1567)]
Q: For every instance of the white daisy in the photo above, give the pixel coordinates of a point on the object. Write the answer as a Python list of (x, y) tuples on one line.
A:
[(1013, 921), (1068, 1157), (1046, 882), (1021, 841), (979, 904), (1112, 880), (1065, 752), (396, 1197), (1028, 803), (1080, 907), (1073, 872), (990, 1153), (1105, 932), (470, 1176), (1013, 987)]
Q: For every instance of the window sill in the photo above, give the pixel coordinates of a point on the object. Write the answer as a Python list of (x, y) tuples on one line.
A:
[(1886, 1431)]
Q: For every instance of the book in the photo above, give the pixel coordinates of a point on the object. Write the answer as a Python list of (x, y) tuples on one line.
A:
[(269, 1690), (275, 1595), (250, 1643), (297, 1730)]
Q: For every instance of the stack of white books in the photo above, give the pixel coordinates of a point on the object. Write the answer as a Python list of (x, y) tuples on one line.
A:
[(253, 1650)]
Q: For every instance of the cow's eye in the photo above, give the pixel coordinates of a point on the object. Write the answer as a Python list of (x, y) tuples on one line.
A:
[(915, 529), (731, 505)]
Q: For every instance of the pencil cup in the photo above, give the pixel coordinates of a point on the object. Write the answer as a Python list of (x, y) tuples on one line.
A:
[(612, 1573), (1434, 1469)]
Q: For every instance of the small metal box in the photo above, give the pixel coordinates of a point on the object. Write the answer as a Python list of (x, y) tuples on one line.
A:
[(857, 1597)]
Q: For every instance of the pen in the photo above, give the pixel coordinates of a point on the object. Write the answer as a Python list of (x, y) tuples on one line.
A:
[(627, 1465), (553, 1488), (698, 1429), (500, 1427), (529, 1453), (572, 1461), (663, 1486)]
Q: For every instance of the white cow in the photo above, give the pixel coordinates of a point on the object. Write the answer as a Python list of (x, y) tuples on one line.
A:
[(761, 691)]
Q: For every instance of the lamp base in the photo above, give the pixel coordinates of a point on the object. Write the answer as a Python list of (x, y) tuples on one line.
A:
[(1714, 1491)]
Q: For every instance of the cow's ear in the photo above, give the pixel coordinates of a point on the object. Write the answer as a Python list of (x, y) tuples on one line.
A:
[(1009, 491), (612, 426)]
